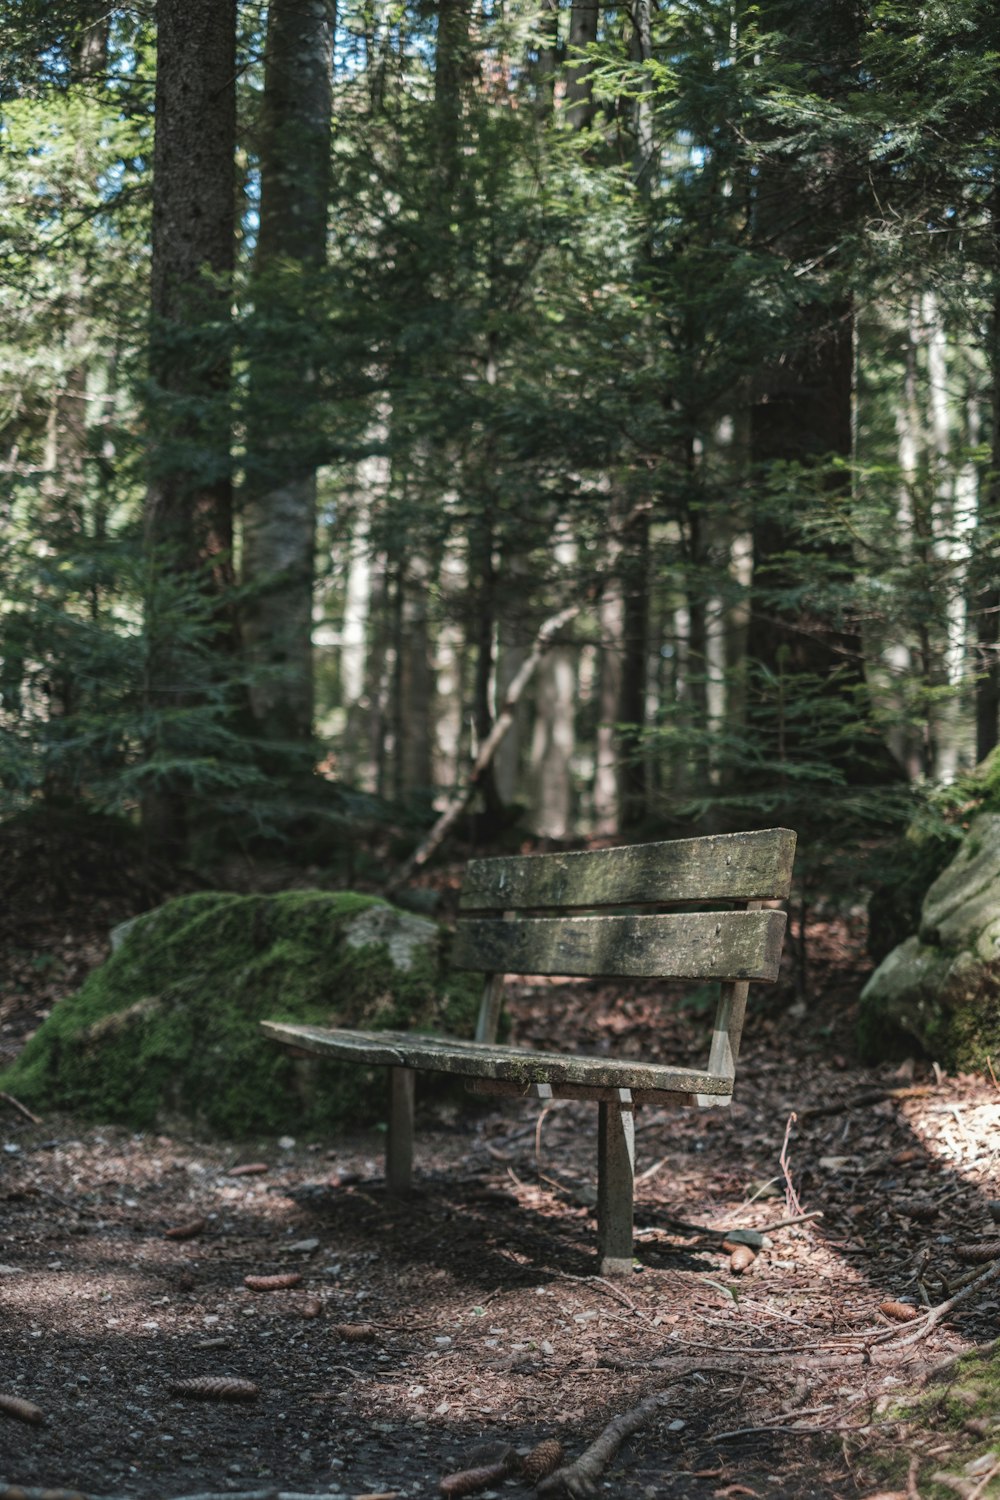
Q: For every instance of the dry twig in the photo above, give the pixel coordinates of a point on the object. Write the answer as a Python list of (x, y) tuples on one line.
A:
[(792, 1204), (16, 1104), (935, 1314)]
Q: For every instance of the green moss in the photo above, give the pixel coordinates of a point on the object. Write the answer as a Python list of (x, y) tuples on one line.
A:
[(169, 1026), (957, 1419)]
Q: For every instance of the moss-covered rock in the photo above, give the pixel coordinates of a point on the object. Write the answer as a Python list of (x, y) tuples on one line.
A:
[(941, 987), (168, 1027)]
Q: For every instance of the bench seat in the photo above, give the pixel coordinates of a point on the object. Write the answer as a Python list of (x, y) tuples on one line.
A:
[(479, 1060)]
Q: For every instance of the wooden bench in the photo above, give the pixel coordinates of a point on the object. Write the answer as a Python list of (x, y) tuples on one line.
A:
[(522, 915)]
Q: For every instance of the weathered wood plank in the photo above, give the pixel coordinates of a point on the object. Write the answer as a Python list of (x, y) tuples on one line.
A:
[(730, 867), (615, 1185), (689, 945), (399, 1140), (412, 1049), (594, 1094), (490, 1008)]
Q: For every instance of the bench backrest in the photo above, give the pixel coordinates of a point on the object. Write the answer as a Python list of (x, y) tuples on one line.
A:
[(521, 915)]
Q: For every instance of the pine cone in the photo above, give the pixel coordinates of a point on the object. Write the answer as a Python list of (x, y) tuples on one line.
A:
[(24, 1411), (542, 1461), (185, 1231), (215, 1388), (902, 1312), (978, 1253), (484, 1476), (273, 1283)]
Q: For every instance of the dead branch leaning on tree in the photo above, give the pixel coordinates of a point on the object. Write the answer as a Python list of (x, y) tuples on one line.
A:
[(544, 639), (505, 718)]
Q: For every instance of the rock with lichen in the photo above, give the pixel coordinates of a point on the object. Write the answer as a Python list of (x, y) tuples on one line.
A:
[(941, 987), (167, 1029)]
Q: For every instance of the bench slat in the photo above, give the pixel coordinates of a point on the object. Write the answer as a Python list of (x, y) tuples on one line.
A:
[(411, 1049), (689, 945), (734, 867)]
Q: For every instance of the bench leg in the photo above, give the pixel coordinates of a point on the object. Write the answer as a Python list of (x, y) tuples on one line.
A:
[(615, 1184), (399, 1143)]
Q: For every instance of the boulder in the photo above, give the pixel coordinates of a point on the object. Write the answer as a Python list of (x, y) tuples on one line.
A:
[(941, 987), (167, 1029)]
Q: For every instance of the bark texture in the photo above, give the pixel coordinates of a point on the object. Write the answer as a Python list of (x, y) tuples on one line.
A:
[(189, 501), (188, 510), (279, 505)]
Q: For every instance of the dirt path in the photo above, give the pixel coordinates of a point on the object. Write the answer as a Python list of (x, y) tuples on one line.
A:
[(470, 1315)]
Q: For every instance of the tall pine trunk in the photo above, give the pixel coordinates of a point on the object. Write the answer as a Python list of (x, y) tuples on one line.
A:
[(188, 509), (279, 503), (986, 569)]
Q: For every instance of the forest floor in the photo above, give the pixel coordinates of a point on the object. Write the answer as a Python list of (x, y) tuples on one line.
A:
[(419, 1336)]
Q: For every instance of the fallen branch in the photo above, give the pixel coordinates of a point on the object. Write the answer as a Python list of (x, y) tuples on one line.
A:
[(935, 1314), (504, 719), (706, 1231), (871, 1096), (18, 1492), (579, 1479), (616, 1291), (16, 1104), (789, 1421)]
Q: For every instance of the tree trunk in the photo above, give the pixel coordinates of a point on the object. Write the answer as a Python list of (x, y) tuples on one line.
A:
[(579, 82), (802, 416), (279, 505), (62, 520), (188, 511), (634, 573), (607, 792), (189, 501), (415, 682), (552, 746), (986, 568)]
